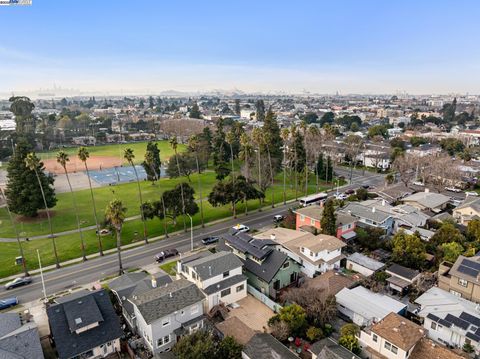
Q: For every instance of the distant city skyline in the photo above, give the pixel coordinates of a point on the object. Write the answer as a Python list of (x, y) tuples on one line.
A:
[(364, 47)]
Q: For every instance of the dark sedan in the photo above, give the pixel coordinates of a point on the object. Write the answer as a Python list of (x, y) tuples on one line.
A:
[(210, 240), (167, 253), (18, 282)]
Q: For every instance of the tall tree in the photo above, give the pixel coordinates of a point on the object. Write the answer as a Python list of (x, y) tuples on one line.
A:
[(273, 139), (195, 111), (260, 110), (328, 223), (237, 107), (230, 140), (62, 159), (152, 162), (220, 154), (115, 214), (285, 135), (408, 250), (22, 192), (34, 164), (195, 146), (258, 140), (129, 156), (174, 145), (22, 108), (83, 155)]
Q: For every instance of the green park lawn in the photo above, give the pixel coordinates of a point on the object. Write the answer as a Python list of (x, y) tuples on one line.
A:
[(117, 150), (68, 246)]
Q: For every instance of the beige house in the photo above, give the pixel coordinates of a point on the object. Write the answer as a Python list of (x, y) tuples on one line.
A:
[(435, 202), (461, 278), (467, 210)]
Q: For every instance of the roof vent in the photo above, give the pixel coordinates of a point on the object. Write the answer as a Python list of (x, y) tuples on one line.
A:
[(154, 282), (80, 302), (209, 270), (78, 321), (373, 209), (272, 236), (170, 294)]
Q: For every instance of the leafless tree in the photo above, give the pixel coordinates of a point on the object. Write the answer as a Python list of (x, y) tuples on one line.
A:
[(404, 165), (280, 330)]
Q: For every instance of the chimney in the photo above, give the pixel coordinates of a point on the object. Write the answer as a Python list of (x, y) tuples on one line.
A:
[(373, 209), (170, 294), (383, 202), (154, 282), (272, 236), (427, 190)]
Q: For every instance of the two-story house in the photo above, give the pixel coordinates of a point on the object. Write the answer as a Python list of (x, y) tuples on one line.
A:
[(370, 216), (84, 325), (316, 254), (267, 269), (218, 275), (309, 218), (167, 312), (467, 210), (461, 278)]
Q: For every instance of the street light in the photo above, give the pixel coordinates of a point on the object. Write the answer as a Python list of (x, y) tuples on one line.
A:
[(191, 231)]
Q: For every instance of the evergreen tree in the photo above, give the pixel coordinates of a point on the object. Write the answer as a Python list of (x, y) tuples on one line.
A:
[(329, 170), (299, 151), (195, 111), (221, 155), (328, 223), (321, 167), (260, 110), (22, 108), (237, 107), (152, 161), (273, 139), (22, 192)]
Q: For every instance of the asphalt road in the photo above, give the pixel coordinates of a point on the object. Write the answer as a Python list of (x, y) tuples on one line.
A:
[(98, 268)]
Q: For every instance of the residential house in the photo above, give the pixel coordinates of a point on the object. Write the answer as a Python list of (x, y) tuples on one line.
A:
[(18, 339), (391, 338), (401, 277), (327, 348), (461, 278), (427, 201), (364, 307), (165, 313), (467, 210), (84, 325), (218, 275), (128, 285), (407, 217), (369, 216), (265, 346), (308, 219), (362, 264), (424, 150), (267, 269), (449, 319), (392, 193), (316, 254)]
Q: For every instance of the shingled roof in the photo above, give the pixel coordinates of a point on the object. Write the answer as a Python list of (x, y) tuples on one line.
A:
[(399, 331)]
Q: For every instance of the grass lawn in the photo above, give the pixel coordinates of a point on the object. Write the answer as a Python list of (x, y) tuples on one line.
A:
[(117, 150), (68, 246), (169, 268)]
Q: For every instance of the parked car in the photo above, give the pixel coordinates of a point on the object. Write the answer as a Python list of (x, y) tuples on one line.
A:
[(471, 193), (160, 257), (418, 183), (349, 191), (278, 218), (8, 302), (18, 282), (453, 189), (240, 228), (210, 240), (366, 186), (341, 196)]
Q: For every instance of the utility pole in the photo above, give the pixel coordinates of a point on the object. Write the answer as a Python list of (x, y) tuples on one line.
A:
[(41, 276)]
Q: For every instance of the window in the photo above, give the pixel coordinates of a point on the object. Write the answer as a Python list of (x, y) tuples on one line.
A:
[(302, 249), (374, 337), (240, 288), (225, 292), (286, 265), (311, 254), (391, 347), (313, 222), (462, 282), (165, 322), (302, 217), (194, 309), (433, 326), (226, 274), (456, 293), (162, 341)]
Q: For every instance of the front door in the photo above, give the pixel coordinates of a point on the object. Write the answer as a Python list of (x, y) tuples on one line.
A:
[(276, 284), (293, 277), (215, 299)]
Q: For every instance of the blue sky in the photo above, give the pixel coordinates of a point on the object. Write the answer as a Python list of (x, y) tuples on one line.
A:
[(320, 46)]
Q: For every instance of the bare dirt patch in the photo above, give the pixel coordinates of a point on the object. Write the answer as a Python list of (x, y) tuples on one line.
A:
[(75, 165), (42, 215)]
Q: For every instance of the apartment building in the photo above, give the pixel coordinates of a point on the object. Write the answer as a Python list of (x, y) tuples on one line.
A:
[(461, 278)]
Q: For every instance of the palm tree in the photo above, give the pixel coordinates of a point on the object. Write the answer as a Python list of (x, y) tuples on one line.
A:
[(62, 159), (304, 128), (294, 134), (33, 163), (115, 216), (230, 140), (174, 145), (246, 151), (193, 144), (24, 263), (257, 138), (129, 156), (285, 134), (266, 141), (83, 155)]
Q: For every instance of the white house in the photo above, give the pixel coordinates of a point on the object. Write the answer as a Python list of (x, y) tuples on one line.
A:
[(364, 307), (362, 264), (218, 275)]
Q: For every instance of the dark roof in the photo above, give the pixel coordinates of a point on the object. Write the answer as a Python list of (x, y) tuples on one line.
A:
[(22, 343), (265, 346), (9, 322), (269, 267), (82, 312), (69, 343), (246, 244), (161, 301), (327, 348), (214, 264), (227, 283), (397, 269)]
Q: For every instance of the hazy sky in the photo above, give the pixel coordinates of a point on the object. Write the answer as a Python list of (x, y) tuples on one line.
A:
[(362, 46)]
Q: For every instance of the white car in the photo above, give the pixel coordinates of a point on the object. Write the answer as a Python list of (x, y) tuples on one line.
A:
[(240, 228), (470, 193), (453, 189), (341, 196), (418, 183)]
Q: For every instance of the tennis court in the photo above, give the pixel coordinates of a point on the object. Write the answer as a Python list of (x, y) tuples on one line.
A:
[(119, 174)]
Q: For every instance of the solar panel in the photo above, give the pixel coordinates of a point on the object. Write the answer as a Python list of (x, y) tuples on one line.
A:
[(457, 321), (444, 323), (471, 264), (433, 317), (467, 270), (470, 318), (474, 337)]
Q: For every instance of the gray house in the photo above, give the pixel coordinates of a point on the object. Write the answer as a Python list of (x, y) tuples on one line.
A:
[(372, 216), (167, 312), (18, 340), (129, 285)]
